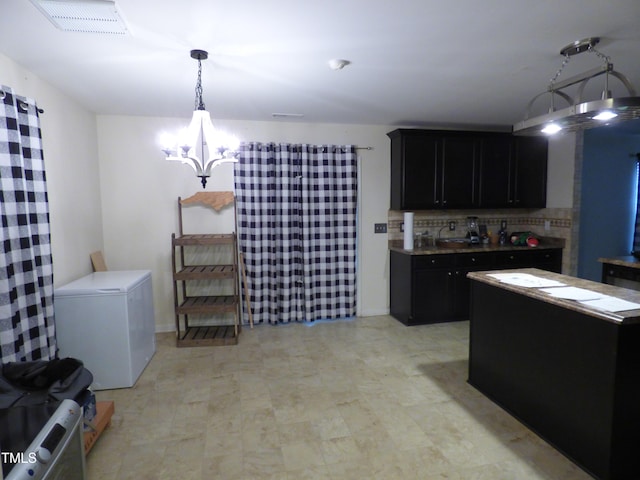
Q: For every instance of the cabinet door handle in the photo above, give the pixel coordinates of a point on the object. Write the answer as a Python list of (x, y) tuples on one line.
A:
[(444, 202), (473, 259)]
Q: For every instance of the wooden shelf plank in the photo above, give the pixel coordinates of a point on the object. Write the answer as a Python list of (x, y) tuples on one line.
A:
[(209, 336), (204, 239), (205, 272), (208, 304)]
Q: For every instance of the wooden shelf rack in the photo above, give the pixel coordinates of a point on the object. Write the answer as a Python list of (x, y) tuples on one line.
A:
[(213, 303)]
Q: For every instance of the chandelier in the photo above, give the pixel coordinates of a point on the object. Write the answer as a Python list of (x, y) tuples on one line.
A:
[(221, 147), (580, 114)]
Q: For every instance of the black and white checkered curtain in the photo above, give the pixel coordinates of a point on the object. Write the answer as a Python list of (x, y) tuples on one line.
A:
[(27, 329), (296, 209)]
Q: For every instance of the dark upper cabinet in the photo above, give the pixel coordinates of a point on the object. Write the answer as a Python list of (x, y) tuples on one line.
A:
[(414, 172), (497, 171), (531, 172), (434, 169), (513, 172), (459, 164)]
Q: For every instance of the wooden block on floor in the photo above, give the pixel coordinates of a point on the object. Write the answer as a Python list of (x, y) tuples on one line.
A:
[(103, 420)]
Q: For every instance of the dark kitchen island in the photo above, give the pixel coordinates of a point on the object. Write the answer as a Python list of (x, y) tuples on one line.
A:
[(569, 372)]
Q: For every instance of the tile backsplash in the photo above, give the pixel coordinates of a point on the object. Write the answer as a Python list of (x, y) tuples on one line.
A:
[(546, 222)]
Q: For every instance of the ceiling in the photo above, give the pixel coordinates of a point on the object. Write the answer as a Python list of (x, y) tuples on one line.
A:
[(413, 62)]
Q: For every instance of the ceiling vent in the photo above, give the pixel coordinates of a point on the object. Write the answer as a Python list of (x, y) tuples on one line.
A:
[(86, 16)]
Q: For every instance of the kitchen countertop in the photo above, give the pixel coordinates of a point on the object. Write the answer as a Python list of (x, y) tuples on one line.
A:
[(626, 261), (625, 317), (545, 243)]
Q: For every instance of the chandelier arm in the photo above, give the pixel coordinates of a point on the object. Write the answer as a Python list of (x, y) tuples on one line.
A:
[(214, 162), (193, 163), (563, 95), (594, 72), (624, 80)]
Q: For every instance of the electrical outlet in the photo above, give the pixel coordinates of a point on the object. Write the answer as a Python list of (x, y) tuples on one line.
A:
[(547, 225), (503, 225), (402, 227), (452, 225), (380, 228)]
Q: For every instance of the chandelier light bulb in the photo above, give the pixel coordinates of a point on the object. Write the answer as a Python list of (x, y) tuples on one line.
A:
[(168, 143)]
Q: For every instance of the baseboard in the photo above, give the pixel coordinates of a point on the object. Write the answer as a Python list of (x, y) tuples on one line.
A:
[(373, 312), (169, 327)]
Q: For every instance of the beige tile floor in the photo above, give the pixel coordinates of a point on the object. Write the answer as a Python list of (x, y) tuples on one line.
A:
[(362, 399)]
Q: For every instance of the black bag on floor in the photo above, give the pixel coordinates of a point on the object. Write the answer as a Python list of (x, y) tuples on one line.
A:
[(42, 381)]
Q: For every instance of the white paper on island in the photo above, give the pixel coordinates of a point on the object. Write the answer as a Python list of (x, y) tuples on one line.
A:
[(525, 280), (592, 299), (611, 304), (573, 293)]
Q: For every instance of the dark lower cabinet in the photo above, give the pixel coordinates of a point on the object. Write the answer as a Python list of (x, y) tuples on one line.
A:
[(435, 288), (431, 302), (571, 377), (621, 275)]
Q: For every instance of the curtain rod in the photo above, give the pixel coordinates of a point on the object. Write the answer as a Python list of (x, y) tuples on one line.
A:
[(22, 104)]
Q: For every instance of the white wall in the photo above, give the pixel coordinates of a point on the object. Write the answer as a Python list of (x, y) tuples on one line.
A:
[(560, 171), (69, 140), (140, 191)]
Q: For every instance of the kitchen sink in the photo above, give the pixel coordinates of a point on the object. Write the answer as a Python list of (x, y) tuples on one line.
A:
[(452, 242)]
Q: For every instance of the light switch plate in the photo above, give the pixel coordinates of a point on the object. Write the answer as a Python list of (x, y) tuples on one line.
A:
[(380, 228)]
